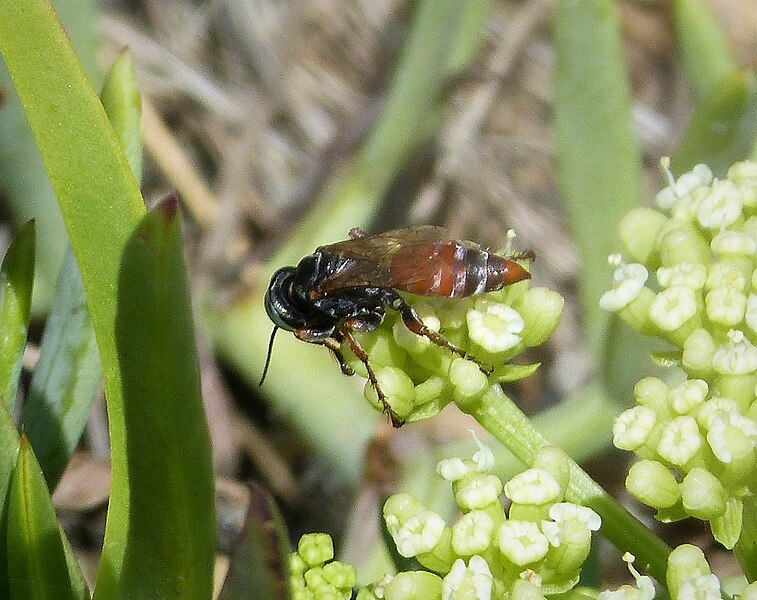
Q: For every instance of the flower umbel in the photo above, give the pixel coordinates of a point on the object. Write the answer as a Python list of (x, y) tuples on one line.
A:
[(313, 573), (542, 540), (697, 440)]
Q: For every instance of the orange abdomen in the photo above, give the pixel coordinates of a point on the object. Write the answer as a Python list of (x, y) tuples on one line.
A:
[(453, 270)]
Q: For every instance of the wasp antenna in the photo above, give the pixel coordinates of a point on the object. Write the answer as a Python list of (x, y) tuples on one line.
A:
[(268, 356)]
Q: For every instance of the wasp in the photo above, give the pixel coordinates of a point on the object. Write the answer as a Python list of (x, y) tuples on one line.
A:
[(348, 286)]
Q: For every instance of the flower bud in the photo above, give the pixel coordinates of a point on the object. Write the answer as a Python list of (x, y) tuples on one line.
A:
[(541, 310), (315, 548), (472, 534), (685, 563), (413, 585), (632, 427), (672, 309), (467, 380), (725, 306), (687, 396), (721, 207), (680, 441), (397, 387), (638, 230), (732, 438), (683, 243), (472, 581), (429, 390), (521, 542), (635, 314), (341, 575), (414, 529), (477, 491), (494, 326), (523, 589), (652, 392), (702, 494), (555, 462), (688, 274), (698, 352), (653, 484)]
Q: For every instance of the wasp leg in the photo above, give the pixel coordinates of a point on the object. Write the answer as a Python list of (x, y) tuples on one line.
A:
[(525, 255), (359, 351), (328, 339), (413, 323), (335, 345)]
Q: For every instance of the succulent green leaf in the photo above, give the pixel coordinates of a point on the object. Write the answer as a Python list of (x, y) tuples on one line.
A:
[(69, 372), (727, 528), (98, 198), (123, 103), (705, 51), (259, 560), (66, 378), (16, 281), (38, 568), (171, 525), (512, 372), (8, 457), (26, 187), (599, 165), (722, 130)]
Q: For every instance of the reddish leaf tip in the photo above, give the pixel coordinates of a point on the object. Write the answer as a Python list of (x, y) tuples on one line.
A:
[(169, 206)]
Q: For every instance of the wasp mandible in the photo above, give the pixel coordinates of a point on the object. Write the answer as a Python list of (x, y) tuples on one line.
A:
[(348, 286)]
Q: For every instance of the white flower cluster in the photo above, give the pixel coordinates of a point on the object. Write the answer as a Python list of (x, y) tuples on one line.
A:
[(539, 546), (692, 281)]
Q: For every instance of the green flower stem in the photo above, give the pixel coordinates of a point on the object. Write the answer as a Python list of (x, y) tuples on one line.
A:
[(505, 421), (746, 548)]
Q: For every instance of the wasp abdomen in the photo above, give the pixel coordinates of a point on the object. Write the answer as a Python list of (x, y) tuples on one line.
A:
[(453, 269)]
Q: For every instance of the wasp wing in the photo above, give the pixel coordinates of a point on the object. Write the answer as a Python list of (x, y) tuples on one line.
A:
[(402, 259)]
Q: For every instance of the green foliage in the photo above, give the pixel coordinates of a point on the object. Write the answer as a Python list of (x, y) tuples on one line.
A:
[(38, 568), (160, 532), (16, 279)]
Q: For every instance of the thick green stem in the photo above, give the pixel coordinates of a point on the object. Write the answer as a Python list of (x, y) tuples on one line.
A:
[(505, 421)]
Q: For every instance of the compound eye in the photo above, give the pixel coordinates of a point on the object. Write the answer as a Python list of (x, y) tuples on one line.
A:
[(278, 303), (274, 312)]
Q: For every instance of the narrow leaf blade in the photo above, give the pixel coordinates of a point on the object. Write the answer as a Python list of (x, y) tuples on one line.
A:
[(599, 166), (171, 524), (37, 565), (259, 559), (8, 458), (705, 51), (123, 104), (722, 130), (16, 281), (66, 378)]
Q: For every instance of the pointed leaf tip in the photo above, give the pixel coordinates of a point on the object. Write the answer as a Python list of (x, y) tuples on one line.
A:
[(169, 206)]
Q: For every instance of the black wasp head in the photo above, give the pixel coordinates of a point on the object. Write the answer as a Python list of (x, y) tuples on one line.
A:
[(279, 303), (281, 308)]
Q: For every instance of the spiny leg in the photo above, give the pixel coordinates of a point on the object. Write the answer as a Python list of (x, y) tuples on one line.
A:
[(413, 323), (359, 351)]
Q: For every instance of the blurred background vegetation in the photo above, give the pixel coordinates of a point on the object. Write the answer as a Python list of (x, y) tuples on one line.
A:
[(272, 120)]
